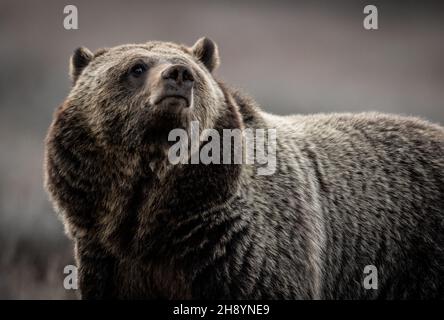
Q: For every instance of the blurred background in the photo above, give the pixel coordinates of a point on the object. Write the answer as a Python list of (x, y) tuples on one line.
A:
[(293, 57)]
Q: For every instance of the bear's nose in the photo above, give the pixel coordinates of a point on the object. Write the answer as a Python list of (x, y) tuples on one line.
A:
[(178, 73)]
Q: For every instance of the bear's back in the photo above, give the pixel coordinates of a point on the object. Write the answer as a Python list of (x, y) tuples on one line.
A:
[(379, 181)]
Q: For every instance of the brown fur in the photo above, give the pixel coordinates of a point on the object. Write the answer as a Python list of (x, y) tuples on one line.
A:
[(349, 190)]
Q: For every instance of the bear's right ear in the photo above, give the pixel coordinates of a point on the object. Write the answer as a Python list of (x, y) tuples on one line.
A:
[(79, 60)]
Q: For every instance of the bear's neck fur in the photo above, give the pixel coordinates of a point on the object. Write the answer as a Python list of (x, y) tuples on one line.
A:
[(175, 195), (115, 193), (115, 200)]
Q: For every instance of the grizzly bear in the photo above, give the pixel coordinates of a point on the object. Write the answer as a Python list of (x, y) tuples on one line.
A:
[(349, 190)]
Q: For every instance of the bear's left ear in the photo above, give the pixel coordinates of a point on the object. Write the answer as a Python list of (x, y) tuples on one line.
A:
[(206, 51)]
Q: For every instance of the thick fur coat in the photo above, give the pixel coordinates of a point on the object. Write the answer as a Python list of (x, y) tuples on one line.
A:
[(349, 190)]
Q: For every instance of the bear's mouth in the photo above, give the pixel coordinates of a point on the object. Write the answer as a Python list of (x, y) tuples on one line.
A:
[(173, 101)]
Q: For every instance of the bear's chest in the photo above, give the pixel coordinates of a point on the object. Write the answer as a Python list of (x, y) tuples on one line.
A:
[(151, 280)]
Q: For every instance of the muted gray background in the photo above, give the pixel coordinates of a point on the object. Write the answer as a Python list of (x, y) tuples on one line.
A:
[(292, 57)]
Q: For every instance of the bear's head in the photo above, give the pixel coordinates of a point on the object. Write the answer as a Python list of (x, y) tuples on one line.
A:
[(133, 95), (105, 149)]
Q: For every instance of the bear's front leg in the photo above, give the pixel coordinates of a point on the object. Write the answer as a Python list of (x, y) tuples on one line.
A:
[(96, 270)]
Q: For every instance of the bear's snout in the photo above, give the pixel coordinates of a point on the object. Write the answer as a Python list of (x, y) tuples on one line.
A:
[(179, 74), (175, 87)]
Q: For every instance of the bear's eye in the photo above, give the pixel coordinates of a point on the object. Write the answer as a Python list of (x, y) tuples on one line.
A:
[(138, 69)]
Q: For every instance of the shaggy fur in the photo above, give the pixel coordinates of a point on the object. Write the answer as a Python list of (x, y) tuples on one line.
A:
[(350, 190)]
